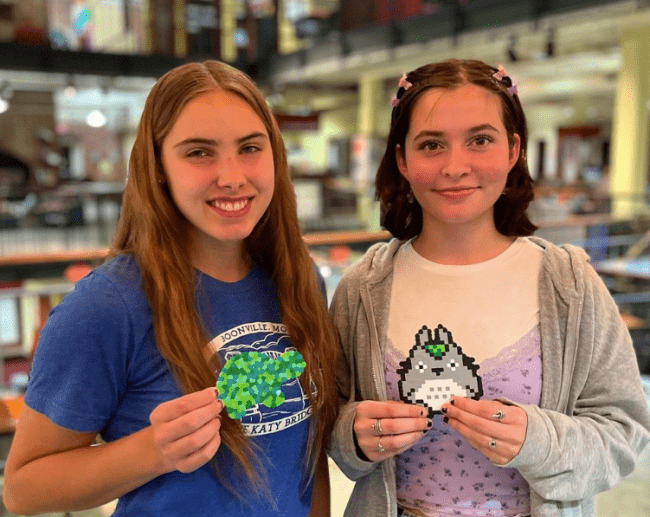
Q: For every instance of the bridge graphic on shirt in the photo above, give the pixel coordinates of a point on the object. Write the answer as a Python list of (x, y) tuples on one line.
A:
[(272, 340)]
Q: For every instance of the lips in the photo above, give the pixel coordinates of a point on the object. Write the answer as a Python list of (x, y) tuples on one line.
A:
[(231, 207), (456, 193), (456, 189)]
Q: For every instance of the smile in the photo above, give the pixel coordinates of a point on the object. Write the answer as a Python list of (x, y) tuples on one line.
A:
[(229, 206), (456, 193)]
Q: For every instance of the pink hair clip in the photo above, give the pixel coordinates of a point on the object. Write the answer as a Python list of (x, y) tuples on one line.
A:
[(500, 73), (394, 102), (513, 90), (403, 83)]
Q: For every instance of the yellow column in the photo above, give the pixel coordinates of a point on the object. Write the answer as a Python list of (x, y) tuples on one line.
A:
[(629, 170), (287, 40), (367, 150), (228, 24), (180, 36)]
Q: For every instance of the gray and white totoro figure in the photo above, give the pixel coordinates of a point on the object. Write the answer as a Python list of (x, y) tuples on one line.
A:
[(436, 369)]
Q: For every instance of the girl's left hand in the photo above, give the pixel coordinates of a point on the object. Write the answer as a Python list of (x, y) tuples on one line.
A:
[(499, 439)]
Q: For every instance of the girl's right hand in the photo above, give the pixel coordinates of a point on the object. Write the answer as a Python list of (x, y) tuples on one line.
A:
[(401, 426), (186, 430)]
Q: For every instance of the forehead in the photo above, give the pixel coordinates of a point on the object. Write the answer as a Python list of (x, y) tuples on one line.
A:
[(217, 111), (463, 107)]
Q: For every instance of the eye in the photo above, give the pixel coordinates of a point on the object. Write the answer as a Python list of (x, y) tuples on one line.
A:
[(452, 365), (250, 148), (197, 153), (430, 145), (482, 140)]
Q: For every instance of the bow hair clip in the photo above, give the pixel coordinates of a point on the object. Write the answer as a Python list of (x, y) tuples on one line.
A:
[(500, 73), (403, 83), (513, 90), (402, 86)]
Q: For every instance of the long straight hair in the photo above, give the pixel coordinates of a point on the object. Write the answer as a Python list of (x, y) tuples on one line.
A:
[(153, 230)]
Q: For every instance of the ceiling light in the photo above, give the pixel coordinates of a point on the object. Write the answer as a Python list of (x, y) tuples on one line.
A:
[(69, 91), (96, 119), (4, 105)]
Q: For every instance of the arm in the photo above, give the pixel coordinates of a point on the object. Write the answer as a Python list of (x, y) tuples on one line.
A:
[(342, 448), (567, 457), (320, 499), (353, 444), (54, 469), (51, 468)]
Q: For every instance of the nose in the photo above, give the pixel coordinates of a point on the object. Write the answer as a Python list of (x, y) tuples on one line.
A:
[(230, 174), (457, 164)]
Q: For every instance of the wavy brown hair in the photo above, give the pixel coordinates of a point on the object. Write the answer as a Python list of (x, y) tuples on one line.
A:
[(154, 231), (403, 218)]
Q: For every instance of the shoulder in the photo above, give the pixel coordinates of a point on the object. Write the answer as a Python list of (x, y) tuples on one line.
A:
[(568, 269), (375, 265), (108, 291)]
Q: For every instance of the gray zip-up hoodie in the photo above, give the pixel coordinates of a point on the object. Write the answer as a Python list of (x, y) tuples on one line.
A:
[(592, 421)]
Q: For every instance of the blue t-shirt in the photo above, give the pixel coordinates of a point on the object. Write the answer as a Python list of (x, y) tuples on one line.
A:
[(97, 369)]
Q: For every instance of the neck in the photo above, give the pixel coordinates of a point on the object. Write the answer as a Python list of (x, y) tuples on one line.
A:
[(228, 263), (460, 245)]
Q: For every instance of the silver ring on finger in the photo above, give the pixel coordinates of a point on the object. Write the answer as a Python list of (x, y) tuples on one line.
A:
[(499, 415), (492, 444), (376, 428), (380, 448)]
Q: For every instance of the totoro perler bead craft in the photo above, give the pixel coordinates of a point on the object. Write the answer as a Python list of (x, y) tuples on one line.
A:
[(252, 378), (435, 369)]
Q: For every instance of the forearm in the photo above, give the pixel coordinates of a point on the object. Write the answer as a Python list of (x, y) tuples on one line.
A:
[(569, 458), (82, 478)]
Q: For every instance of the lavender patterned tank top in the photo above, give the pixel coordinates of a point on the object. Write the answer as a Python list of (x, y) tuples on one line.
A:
[(442, 474)]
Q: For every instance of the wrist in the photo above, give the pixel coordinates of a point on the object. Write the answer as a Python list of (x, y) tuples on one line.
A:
[(152, 458)]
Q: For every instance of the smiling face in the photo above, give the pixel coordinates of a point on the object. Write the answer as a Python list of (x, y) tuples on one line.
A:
[(456, 156), (219, 166)]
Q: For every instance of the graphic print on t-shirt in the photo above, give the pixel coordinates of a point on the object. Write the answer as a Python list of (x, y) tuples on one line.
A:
[(253, 378), (273, 362), (435, 369)]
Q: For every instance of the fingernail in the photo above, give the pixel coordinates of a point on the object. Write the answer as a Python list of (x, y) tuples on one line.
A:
[(422, 412), (444, 409), (452, 402), (429, 423), (446, 419)]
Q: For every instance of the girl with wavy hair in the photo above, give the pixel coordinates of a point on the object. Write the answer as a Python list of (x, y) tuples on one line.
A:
[(208, 276), (486, 372)]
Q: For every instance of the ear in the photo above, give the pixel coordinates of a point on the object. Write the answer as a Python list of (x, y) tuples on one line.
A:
[(401, 161), (514, 151)]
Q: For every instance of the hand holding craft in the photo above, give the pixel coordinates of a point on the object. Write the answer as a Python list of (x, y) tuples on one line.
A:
[(384, 429), (186, 430), (492, 428)]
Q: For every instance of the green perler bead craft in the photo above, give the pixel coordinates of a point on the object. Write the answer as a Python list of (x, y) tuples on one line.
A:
[(253, 378)]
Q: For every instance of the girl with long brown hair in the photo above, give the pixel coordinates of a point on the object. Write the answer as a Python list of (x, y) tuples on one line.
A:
[(208, 274)]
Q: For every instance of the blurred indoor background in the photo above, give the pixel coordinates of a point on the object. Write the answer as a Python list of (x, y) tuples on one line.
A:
[(74, 75)]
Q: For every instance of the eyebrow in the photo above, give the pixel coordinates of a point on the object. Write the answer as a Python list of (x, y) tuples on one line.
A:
[(214, 143), (475, 129)]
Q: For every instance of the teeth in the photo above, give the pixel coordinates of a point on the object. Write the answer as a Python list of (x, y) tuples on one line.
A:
[(229, 206)]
